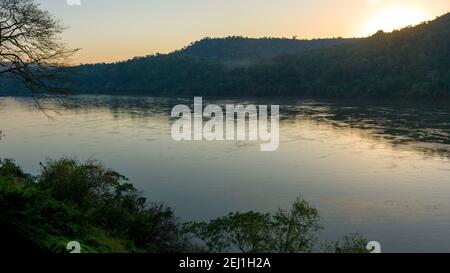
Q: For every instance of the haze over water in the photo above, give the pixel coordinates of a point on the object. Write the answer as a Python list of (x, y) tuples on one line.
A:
[(378, 169)]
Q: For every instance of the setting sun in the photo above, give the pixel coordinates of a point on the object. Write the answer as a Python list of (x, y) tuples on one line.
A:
[(393, 19)]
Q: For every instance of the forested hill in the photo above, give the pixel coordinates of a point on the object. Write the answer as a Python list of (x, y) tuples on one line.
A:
[(413, 62), (239, 51)]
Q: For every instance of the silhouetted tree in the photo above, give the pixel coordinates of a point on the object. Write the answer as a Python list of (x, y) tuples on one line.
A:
[(30, 46), (287, 231)]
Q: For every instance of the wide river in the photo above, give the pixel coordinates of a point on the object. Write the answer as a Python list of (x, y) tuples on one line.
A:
[(379, 169)]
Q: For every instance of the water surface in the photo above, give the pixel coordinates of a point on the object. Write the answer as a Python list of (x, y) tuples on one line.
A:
[(382, 169)]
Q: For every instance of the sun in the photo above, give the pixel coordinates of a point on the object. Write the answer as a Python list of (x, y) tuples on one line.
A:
[(393, 19)]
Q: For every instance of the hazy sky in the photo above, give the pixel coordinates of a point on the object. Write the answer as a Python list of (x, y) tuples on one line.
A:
[(111, 30)]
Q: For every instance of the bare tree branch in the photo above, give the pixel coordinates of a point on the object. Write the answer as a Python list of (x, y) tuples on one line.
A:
[(31, 49)]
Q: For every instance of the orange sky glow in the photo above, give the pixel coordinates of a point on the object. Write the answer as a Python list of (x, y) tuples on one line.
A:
[(114, 30)]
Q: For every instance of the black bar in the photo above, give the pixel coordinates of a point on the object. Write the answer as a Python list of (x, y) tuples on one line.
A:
[(228, 262)]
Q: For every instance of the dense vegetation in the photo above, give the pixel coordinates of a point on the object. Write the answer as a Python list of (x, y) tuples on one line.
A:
[(71, 201), (412, 62), (239, 51), (86, 202)]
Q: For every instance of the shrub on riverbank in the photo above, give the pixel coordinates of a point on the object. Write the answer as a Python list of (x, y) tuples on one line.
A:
[(85, 202)]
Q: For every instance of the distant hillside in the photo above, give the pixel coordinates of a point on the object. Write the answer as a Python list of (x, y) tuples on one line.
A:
[(413, 62), (240, 51)]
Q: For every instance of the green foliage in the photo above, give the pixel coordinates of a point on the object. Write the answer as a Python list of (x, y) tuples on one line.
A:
[(283, 232), (353, 243), (85, 202), (294, 230), (34, 218), (245, 232), (238, 51), (9, 169)]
